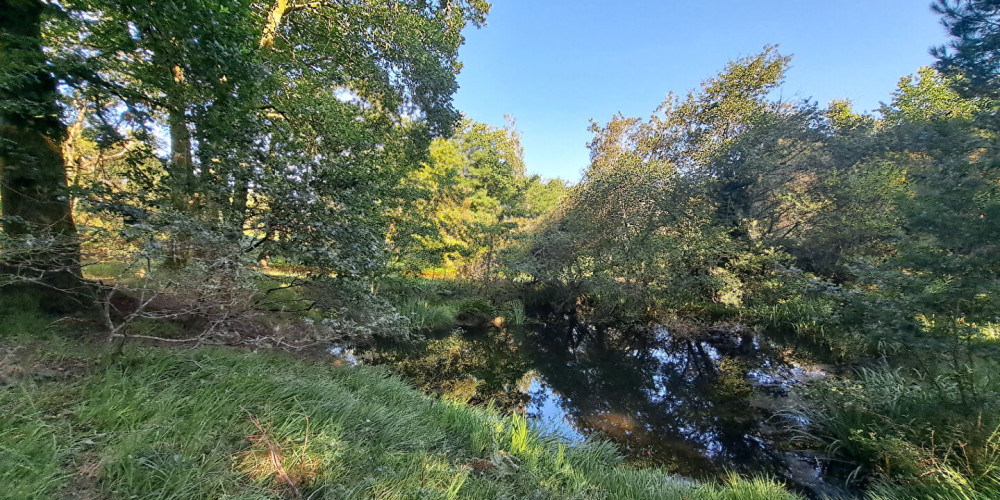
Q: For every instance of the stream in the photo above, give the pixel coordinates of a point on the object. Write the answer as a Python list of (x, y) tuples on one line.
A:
[(697, 403)]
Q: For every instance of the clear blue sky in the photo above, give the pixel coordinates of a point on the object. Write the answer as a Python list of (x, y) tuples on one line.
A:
[(555, 64)]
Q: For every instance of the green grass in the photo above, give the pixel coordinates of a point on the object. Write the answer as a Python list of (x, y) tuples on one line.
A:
[(109, 270), (439, 305), (18, 316), (160, 423), (426, 316), (912, 433)]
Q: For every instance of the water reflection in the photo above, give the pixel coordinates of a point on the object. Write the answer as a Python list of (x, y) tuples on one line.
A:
[(683, 402), (686, 402)]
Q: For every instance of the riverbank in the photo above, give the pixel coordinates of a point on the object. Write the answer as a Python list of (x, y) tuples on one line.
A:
[(83, 421)]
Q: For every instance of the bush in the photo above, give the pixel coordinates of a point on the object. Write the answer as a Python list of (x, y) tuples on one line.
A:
[(475, 311)]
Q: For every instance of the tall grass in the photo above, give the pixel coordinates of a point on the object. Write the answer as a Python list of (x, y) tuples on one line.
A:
[(817, 321), (916, 434), (154, 423), (19, 316), (426, 316), (514, 313), (437, 305), (519, 434)]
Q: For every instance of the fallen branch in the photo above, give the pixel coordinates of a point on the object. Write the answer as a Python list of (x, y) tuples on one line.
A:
[(158, 339), (275, 457)]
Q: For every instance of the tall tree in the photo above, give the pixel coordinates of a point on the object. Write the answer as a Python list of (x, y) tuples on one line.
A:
[(974, 50), (290, 119), (33, 189), (692, 198), (461, 205)]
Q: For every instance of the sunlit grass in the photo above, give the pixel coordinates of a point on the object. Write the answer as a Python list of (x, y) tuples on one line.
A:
[(156, 423), (107, 270), (513, 313), (288, 463)]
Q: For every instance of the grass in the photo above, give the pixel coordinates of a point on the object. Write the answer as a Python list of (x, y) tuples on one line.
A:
[(918, 415), (914, 434), (81, 422), (513, 312), (439, 305), (106, 270), (426, 316)]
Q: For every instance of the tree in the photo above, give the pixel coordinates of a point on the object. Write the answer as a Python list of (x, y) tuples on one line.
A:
[(974, 51), (946, 260), (33, 189), (287, 125), (689, 204), (463, 203)]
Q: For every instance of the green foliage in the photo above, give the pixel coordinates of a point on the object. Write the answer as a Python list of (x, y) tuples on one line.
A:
[(919, 295), (430, 305), (321, 138), (425, 316), (280, 142), (691, 206), (930, 96), (972, 52), (862, 236), (913, 432), (466, 204), (513, 313), (476, 311)]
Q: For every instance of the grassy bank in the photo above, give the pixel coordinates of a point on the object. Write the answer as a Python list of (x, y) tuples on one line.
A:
[(915, 410), (440, 305), (82, 422)]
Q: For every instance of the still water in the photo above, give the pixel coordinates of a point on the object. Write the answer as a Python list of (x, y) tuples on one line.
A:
[(697, 403)]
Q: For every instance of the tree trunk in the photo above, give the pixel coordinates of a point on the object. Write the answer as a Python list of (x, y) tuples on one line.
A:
[(33, 191), (241, 194), (181, 166)]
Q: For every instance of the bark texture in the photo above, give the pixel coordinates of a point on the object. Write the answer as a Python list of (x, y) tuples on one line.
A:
[(33, 190)]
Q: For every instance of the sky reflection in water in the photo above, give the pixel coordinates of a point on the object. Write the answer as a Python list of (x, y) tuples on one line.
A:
[(693, 403)]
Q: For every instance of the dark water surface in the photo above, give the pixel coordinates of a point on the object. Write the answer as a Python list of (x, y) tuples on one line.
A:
[(698, 403)]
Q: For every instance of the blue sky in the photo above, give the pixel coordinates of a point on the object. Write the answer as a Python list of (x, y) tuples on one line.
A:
[(555, 64)]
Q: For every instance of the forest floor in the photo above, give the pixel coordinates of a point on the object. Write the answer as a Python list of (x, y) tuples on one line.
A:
[(82, 419)]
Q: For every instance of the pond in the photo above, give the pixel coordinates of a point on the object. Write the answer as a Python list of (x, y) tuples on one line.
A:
[(698, 403)]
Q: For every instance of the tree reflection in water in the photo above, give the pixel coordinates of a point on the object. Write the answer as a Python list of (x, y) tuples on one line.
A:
[(685, 402)]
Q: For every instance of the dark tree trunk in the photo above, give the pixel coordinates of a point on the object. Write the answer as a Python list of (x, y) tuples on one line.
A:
[(241, 193), (182, 181), (181, 164), (33, 191)]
